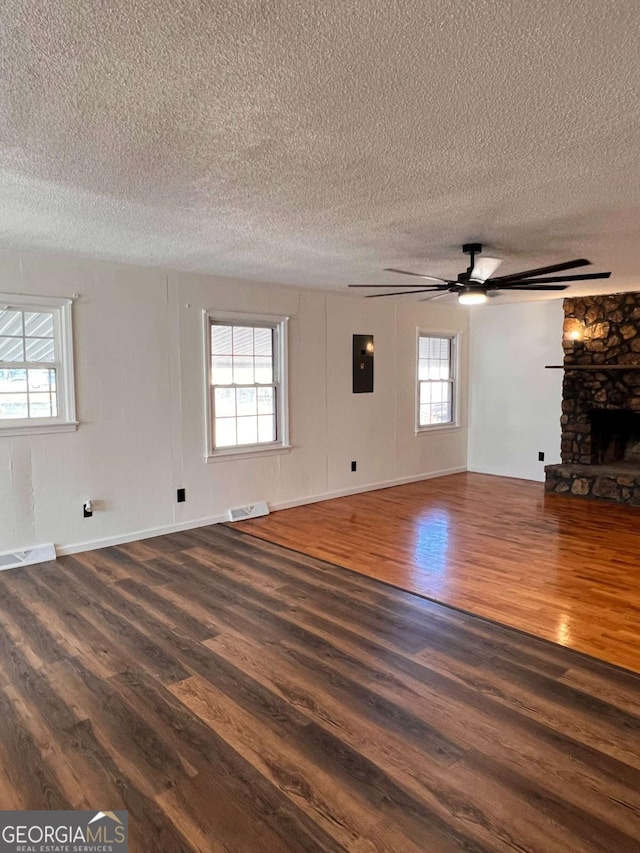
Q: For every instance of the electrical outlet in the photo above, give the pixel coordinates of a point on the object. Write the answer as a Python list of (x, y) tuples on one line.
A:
[(182, 495), (87, 509), (354, 465), (540, 456)]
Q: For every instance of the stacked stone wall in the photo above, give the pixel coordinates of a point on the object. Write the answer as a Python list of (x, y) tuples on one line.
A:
[(599, 332)]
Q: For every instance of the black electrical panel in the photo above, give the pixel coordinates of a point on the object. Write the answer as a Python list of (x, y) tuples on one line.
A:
[(362, 364)]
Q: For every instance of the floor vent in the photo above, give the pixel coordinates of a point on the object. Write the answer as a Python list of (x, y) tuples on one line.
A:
[(239, 513), (38, 554)]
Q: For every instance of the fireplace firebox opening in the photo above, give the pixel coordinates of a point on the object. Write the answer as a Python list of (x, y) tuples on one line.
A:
[(615, 436)]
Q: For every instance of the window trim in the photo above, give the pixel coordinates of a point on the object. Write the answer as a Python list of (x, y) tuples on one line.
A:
[(66, 397), (280, 325), (455, 337)]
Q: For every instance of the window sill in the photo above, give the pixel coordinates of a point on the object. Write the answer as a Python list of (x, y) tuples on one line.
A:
[(227, 455), (38, 429), (427, 430)]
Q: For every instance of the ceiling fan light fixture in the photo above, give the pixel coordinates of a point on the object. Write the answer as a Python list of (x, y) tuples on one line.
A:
[(472, 295), (471, 286)]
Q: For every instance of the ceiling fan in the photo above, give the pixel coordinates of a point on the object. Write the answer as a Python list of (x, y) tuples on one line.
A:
[(473, 285)]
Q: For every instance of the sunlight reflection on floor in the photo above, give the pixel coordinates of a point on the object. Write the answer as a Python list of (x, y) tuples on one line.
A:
[(430, 550), (563, 633)]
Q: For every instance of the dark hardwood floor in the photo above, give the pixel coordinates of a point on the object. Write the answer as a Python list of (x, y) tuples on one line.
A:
[(237, 696)]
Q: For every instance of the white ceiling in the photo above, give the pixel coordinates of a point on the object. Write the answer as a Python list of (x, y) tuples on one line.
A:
[(316, 143)]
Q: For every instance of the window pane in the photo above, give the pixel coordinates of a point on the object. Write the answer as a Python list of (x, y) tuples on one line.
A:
[(221, 370), (264, 370), (40, 349), (42, 380), (243, 370), (424, 415), (246, 401), (10, 322), (38, 325), (425, 393), (13, 381), (434, 357), (266, 398), (439, 348), (221, 340), (225, 402), (263, 341), (41, 406), (11, 349), (242, 340), (248, 430), (444, 413), (225, 432), (13, 406), (266, 428)]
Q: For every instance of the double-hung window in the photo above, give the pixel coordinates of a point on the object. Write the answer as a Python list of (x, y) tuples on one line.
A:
[(36, 365), (436, 380), (246, 388)]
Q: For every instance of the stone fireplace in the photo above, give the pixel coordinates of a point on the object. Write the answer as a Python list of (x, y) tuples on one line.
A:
[(601, 400)]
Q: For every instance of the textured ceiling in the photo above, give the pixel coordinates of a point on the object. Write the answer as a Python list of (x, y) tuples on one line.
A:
[(316, 143)]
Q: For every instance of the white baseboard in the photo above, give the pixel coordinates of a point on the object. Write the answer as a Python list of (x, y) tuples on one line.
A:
[(217, 519), (386, 484), (139, 534), (514, 475)]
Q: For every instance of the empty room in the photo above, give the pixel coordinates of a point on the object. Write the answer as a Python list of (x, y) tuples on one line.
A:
[(320, 426)]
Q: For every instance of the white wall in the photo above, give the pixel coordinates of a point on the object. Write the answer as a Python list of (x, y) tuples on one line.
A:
[(139, 377), (515, 404)]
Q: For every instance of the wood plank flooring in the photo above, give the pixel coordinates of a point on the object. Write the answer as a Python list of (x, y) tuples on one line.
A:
[(236, 696), (557, 567)]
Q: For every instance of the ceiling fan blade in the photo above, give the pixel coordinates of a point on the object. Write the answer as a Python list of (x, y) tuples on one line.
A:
[(419, 275), (587, 277), (404, 292), (435, 286), (533, 287), (567, 265), (439, 296), (484, 268)]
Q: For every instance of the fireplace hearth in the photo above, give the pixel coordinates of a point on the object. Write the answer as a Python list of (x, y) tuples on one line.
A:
[(601, 400)]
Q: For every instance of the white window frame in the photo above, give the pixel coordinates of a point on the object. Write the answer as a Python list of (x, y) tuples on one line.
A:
[(455, 338), (61, 308), (279, 324)]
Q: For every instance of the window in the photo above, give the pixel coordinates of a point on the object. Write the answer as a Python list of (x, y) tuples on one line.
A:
[(36, 365), (436, 380), (246, 391)]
